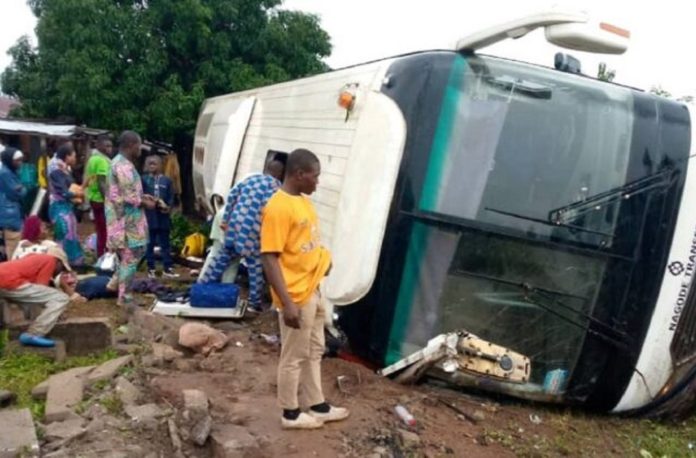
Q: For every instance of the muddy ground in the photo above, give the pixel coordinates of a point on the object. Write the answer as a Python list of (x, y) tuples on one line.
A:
[(240, 382)]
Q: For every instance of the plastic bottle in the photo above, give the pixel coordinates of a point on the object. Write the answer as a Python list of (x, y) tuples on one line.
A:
[(405, 415)]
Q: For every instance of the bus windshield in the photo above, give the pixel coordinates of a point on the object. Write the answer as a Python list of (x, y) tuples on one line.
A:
[(523, 144), (527, 183)]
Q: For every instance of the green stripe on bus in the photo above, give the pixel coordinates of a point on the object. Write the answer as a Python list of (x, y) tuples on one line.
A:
[(428, 201), (443, 134), (407, 290)]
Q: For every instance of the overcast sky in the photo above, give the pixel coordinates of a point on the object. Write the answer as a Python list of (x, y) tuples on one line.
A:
[(661, 50)]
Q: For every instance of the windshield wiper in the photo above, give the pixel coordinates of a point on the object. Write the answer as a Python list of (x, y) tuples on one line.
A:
[(549, 223), (562, 215), (604, 332), (619, 339), (530, 88)]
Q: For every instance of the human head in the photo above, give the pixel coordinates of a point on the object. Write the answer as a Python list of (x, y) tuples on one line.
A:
[(11, 158), (129, 143), (66, 153), (302, 171), (57, 252), (104, 144), (33, 229), (274, 168), (153, 164)]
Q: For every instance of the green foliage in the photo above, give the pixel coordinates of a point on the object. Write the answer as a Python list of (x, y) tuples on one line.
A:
[(182, 227), (20, 373), (605, 74), (148, 65)]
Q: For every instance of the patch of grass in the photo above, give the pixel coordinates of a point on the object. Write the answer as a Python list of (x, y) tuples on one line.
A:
[(101, 384), (113, 404), (20, 373), (660, 439), (4, 338)]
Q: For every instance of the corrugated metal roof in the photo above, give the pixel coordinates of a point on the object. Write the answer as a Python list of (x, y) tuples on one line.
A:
[(26, 127)]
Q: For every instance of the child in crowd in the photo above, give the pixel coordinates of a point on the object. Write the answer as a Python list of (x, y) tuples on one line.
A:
[(158, 220)]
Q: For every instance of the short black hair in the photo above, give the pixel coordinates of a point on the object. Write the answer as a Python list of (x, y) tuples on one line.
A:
[(65, 150), (128, 138), (156, 157), (300, 159), (102, 138)]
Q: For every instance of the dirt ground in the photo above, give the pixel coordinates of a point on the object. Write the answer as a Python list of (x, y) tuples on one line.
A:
[(240, 382)]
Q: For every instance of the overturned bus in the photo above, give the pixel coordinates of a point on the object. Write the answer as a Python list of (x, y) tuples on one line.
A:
[(532, 228)]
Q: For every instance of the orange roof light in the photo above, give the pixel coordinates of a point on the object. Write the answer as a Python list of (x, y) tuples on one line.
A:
[(615, 30)]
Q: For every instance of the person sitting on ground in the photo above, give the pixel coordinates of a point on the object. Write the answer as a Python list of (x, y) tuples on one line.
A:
[(26, 282), (295, 263), (11, 194), (158, 219), (242, 224)]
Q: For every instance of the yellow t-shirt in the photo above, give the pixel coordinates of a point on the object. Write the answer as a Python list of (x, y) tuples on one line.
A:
[(290, 227)]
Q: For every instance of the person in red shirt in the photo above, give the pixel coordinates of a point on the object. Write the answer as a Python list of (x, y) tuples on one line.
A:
[(25, 281)]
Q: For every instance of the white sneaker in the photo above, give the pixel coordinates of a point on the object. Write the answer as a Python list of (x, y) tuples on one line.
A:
[(170, 273), (152, 273), (303, 421), (334, 414)]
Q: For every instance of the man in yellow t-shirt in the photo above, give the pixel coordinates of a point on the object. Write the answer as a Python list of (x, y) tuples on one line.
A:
[(295, 262)]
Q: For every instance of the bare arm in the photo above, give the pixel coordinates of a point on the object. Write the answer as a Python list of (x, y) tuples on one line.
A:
[(291, 313), (101, 181)]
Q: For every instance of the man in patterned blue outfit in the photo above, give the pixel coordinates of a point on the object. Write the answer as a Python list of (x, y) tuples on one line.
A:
[(242, 225)]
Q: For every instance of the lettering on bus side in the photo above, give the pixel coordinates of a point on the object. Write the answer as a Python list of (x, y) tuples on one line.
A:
[(678, 268)]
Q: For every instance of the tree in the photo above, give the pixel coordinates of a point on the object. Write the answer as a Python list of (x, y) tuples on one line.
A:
[(659, 90), (148, 64), (605, 74)]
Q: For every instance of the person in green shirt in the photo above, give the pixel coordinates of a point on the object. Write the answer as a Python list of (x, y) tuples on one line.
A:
[(96, 171)]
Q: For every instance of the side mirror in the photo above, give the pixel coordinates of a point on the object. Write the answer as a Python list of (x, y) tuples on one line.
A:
[(592, 37)]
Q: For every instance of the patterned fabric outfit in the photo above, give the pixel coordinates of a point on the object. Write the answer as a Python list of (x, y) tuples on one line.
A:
[(126, 223), (243, 217), (61, 211)]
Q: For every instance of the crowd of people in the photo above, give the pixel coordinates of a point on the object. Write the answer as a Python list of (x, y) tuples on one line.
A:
[(268, 221), (121, 211)]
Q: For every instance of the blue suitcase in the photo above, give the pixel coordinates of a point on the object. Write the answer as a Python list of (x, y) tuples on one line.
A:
[(214, 295)]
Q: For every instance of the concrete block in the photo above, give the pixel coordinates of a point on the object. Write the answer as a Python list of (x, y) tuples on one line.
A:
[(84, 336), (18, 436), (56, 353), (195, 401), (109, 369), (145, 415), (40, 391), (65, 430), (232, 441), (65, 391)]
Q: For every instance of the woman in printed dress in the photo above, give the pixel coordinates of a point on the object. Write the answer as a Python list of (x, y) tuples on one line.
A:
[(63, 192)]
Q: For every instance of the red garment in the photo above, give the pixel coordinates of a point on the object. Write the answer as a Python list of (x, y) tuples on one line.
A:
[(32, 229), (34, 268), (100, 226)]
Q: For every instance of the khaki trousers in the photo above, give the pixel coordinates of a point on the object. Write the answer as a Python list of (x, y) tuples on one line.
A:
[(53, 301), (301, 351), (12, 239)]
